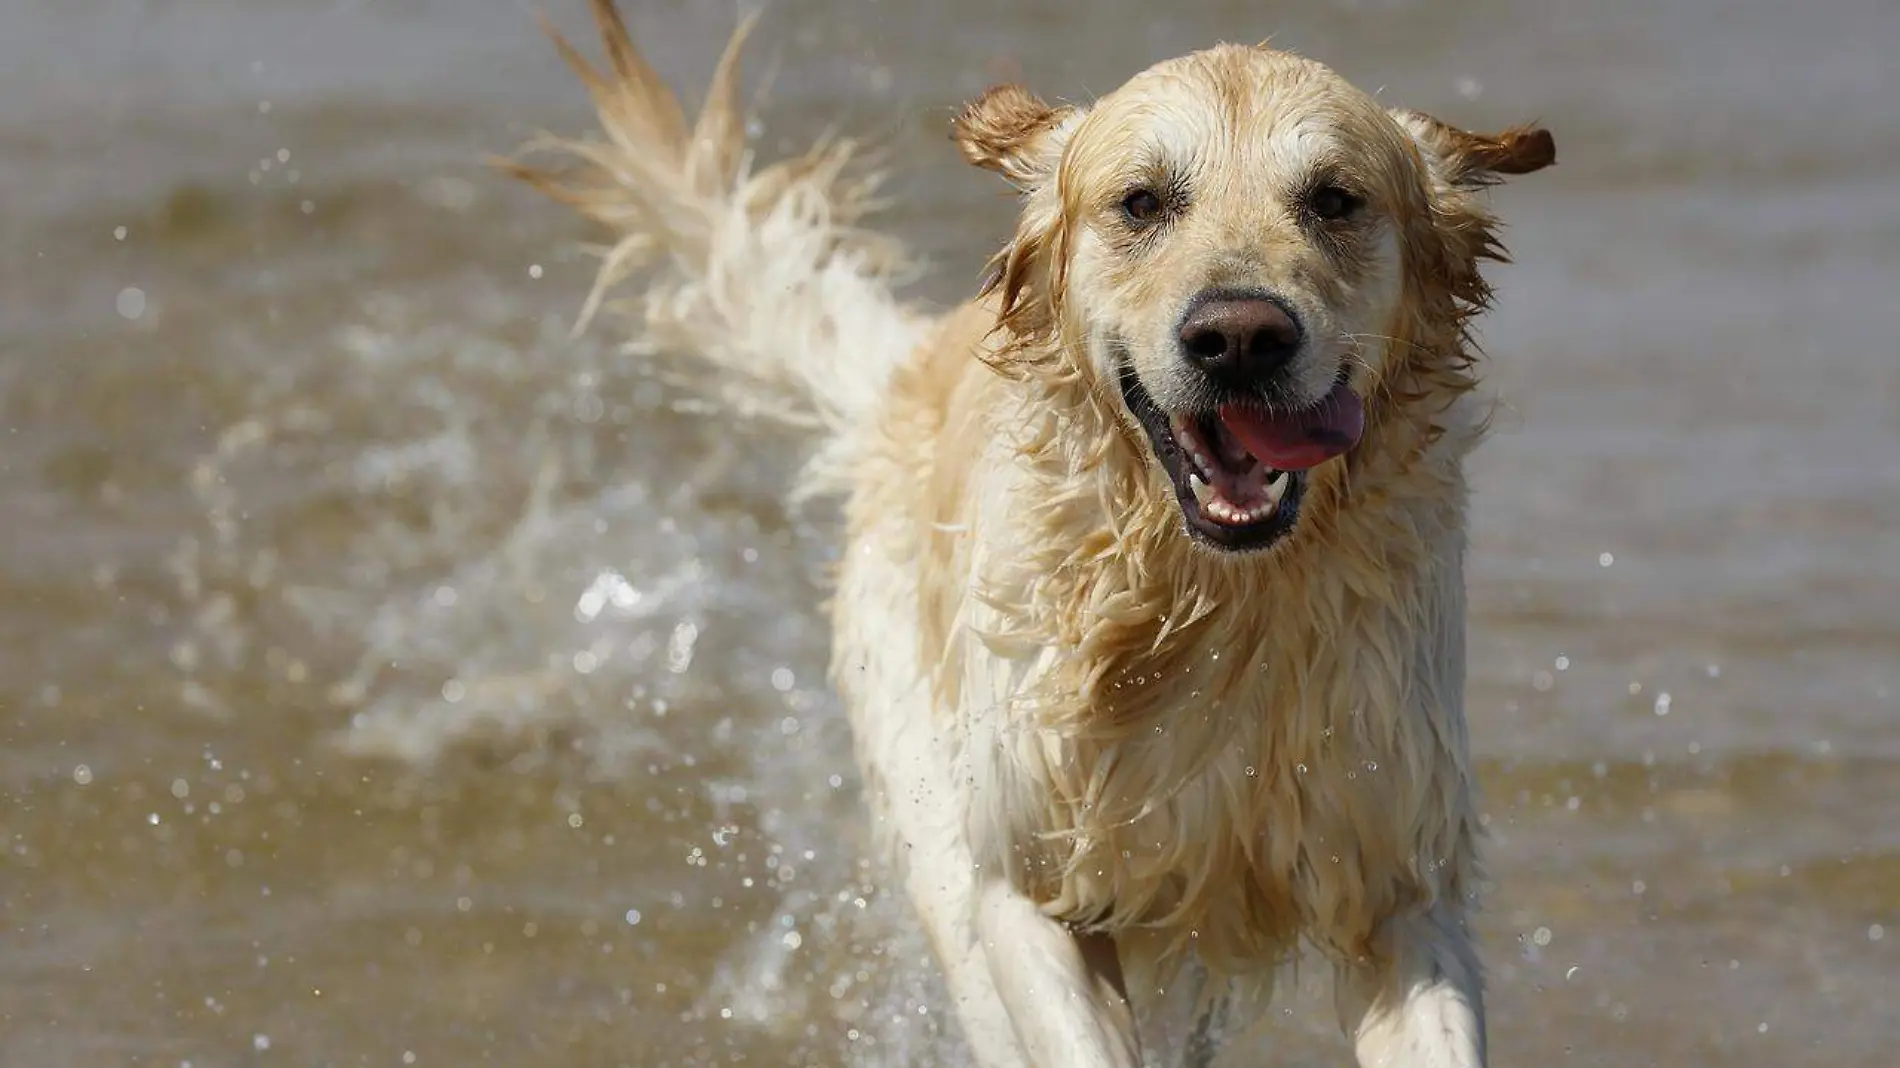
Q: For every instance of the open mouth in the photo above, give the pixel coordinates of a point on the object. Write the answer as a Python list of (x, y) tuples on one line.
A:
[(1230, 484), (1239, 473)]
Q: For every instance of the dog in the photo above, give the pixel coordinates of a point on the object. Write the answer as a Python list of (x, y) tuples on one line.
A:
[(1150, 616)]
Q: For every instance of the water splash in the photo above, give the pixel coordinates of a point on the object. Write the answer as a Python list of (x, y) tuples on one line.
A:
[(523, 551)]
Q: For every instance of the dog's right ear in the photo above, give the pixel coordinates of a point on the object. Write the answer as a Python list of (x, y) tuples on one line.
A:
[(1009, 131)]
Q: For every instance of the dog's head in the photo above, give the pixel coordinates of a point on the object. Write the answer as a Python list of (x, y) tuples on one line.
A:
[(1245, 248)]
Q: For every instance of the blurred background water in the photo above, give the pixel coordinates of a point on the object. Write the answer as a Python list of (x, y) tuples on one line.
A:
[(386, 679)]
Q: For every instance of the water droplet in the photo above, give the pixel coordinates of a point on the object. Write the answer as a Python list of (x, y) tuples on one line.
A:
[(82, 775), (260, 1043), (1605, 559), (118, 233), (130, 302), (1541, 936), (633, 917), (1662, 703), (679, 647)]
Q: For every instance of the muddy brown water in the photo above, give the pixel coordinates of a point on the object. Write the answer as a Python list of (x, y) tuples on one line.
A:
[(386, 679)]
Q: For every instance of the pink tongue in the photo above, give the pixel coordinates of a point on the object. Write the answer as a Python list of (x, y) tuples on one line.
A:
[(1295, 441)]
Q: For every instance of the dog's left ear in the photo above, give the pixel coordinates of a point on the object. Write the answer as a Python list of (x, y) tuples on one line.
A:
[(1460, 230), (1009, 131), (1460, 158)]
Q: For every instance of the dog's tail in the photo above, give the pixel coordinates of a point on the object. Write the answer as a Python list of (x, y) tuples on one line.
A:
[(766, 296)]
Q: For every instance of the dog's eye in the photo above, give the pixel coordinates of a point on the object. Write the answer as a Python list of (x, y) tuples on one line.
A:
[(1142, 205), (1329, 202)]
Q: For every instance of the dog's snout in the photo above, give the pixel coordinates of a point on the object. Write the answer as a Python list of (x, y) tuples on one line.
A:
[(1242, 337)]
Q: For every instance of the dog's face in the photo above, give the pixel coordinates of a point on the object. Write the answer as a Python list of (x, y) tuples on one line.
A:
[(1236, 241)]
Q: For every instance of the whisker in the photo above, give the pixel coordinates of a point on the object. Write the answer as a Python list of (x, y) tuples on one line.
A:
[(1413, 345)]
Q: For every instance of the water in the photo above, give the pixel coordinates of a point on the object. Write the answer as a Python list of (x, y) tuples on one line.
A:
[(387, 679)]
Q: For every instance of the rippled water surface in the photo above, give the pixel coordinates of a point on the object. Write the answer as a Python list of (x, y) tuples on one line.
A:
[(387, 679)]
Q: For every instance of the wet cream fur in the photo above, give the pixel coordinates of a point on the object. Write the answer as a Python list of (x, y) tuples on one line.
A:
[(1123, 774)]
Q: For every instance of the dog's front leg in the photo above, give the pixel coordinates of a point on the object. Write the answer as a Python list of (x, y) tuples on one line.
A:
[(1419, 1001), (1063, 991)]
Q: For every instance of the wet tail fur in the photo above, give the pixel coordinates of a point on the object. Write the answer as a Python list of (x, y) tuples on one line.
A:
[(761, 292)]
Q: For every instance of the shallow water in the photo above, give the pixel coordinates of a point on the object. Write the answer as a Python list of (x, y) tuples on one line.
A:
[(387, 679)]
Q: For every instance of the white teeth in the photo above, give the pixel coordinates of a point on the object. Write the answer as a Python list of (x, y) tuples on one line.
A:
[(1202, 491), (1221, 510), (1276, 489), (1190, 442), (1200, 458)]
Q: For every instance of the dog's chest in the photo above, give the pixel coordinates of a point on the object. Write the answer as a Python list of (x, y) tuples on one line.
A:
[(1286, 761), (1243, 822)]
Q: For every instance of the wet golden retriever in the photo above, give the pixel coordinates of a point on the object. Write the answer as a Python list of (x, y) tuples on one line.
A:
[(1151, 614)]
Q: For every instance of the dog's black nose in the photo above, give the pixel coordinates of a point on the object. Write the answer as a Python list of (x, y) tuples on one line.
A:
[(1240, 337)]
